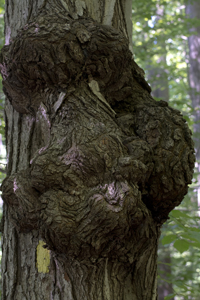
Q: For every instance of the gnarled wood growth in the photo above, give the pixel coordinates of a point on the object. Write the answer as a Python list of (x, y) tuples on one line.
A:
[(111, 162)]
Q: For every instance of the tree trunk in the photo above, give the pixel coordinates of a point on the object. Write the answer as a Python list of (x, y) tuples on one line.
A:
[(161, 91), (94, 163), (192, 9), (160, 87), (157, 77), (165, 286)]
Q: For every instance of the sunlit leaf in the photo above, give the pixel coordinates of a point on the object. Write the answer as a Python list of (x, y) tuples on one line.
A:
[(170, 296), (181, 285), (169, 239), (181, 245), (179, 214)]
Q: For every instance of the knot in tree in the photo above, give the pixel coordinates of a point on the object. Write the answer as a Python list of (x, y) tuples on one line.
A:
[(111, 162)]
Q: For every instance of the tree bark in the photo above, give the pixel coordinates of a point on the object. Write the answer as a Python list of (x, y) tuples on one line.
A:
[(94, 163)]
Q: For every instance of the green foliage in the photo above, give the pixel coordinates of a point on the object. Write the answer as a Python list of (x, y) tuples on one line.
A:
[(163, 31), (181, 235), (181, 245), (168, 239), (170, 296)]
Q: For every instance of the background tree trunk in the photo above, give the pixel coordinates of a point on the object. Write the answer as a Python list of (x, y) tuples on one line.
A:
[(159, 83), (192, 8), (94, 163), (157, 77)]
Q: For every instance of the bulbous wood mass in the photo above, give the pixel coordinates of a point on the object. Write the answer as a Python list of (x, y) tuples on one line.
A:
[(112, 162)]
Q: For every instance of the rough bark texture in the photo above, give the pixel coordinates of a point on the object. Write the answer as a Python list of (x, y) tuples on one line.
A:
[(95, 164)]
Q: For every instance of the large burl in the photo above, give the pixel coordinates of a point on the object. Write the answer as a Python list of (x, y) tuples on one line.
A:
[(113, 162)]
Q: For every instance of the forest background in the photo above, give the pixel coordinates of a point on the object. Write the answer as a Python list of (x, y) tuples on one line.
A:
[(166, 44)]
